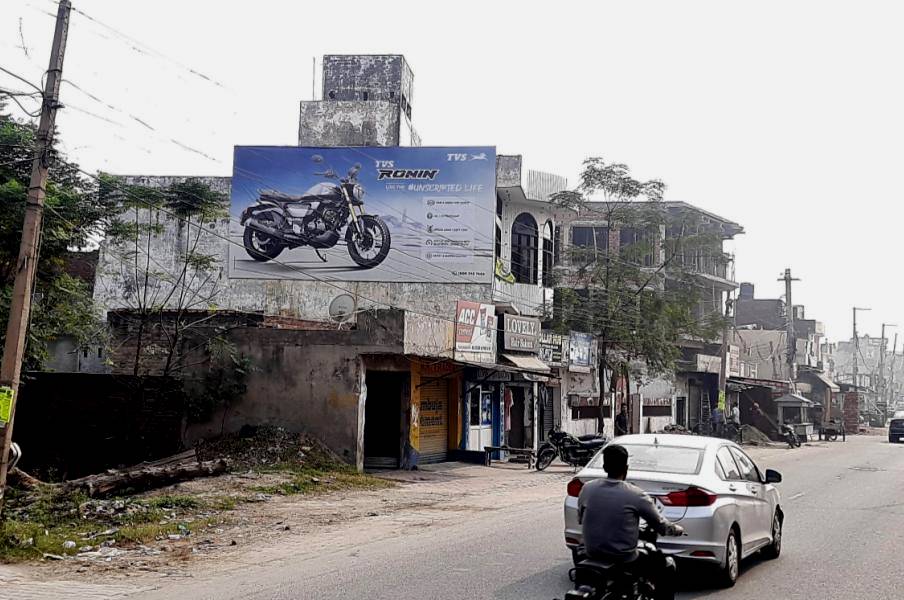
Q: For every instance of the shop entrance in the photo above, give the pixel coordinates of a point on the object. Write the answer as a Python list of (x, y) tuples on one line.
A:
[(521, 419), (480, 415), (383, 414)]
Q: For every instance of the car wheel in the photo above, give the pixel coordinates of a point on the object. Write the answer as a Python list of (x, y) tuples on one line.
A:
[(732, 566), (774, 549)]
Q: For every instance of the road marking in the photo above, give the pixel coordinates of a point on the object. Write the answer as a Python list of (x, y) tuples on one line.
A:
[(796, 496)]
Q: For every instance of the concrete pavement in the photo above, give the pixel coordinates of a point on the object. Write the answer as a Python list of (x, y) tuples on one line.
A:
[(844, 504)]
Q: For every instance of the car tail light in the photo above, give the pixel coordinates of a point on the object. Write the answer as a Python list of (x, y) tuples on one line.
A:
[(702, 554), (692, 496), (574, 487)]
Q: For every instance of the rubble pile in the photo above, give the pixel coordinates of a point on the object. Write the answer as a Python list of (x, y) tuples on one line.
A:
[(254, 448), (753, 436)]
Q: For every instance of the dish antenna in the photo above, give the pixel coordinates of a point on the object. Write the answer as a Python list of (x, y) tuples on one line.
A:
[(342, 308)]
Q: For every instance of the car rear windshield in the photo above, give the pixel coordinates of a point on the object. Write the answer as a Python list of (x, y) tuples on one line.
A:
[(658, 459), (897, 423)]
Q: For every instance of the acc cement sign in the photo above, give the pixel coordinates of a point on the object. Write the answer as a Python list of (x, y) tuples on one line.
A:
[(475, 332), (389, 214)]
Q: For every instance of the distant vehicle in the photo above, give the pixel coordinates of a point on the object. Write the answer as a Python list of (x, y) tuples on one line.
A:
[(728, 506), (895, 431)]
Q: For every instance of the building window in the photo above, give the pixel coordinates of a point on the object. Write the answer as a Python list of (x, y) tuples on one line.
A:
[(498, 242), (525, 242), (590, 238), (657, 411), (548, 255), (585, 412), (590, 412), (635, 245)]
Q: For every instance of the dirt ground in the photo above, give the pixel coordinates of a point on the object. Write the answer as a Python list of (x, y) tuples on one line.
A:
[(268, 530), (415, 499)]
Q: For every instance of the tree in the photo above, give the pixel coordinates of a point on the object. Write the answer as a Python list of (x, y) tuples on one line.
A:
[(629, 281), (170, 283), (73, 217)]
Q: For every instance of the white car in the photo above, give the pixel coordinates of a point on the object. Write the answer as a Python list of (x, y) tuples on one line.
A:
[(709, 486)]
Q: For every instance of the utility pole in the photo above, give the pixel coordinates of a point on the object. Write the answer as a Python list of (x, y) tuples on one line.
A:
[(882, 381), (723, 371), (856, 355), (789, 325), (890, 394), (20, 302)]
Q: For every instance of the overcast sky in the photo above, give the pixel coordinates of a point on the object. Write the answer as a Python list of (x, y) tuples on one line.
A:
[(787, 117)]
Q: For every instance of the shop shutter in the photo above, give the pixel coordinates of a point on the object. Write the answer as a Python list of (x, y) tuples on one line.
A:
[(434, 421), (548, 413)]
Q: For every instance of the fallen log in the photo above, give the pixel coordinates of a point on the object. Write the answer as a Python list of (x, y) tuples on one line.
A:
[(144, 477), (20, 479)]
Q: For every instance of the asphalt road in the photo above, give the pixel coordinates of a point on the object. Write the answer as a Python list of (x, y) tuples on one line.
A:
[(845, 510)]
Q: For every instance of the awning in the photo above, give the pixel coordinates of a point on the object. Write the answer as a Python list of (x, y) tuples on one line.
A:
[(527, 362), (829, 383), (545, 372), (793, 400)]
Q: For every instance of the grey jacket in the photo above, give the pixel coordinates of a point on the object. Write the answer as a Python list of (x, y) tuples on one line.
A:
[(609, 511)]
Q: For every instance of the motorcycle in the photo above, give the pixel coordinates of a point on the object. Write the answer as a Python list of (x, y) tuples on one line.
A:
[(278, 221), (596, 580), (574, 451), (790, 437)]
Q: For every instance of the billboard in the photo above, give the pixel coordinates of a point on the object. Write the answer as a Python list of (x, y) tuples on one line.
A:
[(475, 332), (579, 345), (389, 214)]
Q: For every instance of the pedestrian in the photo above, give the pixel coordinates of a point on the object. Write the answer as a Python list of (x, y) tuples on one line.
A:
[(621, 421), (736, 414), (718, 421)]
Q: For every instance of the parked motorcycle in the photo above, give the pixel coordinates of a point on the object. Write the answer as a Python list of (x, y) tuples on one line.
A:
[(790, 437), (316, 218), (595, 580), (574, 451)]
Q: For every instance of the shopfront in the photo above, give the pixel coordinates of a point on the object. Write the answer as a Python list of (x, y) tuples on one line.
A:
[(580, 388), (484, 394), (554, 354), (524, 395)]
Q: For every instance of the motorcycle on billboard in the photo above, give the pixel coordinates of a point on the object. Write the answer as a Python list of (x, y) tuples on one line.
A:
[(278, 221)]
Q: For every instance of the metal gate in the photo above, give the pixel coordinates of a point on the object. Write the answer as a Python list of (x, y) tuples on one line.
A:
[(434, 421), (548, 421)]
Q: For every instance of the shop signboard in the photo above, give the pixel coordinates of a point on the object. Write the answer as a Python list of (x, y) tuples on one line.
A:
[(521, 333), (553, 348), (491, 375), (734, 361), (475, 332), (294, 212), (579, 345)]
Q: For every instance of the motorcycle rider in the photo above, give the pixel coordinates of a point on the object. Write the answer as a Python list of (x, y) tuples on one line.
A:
[(609, 511)]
